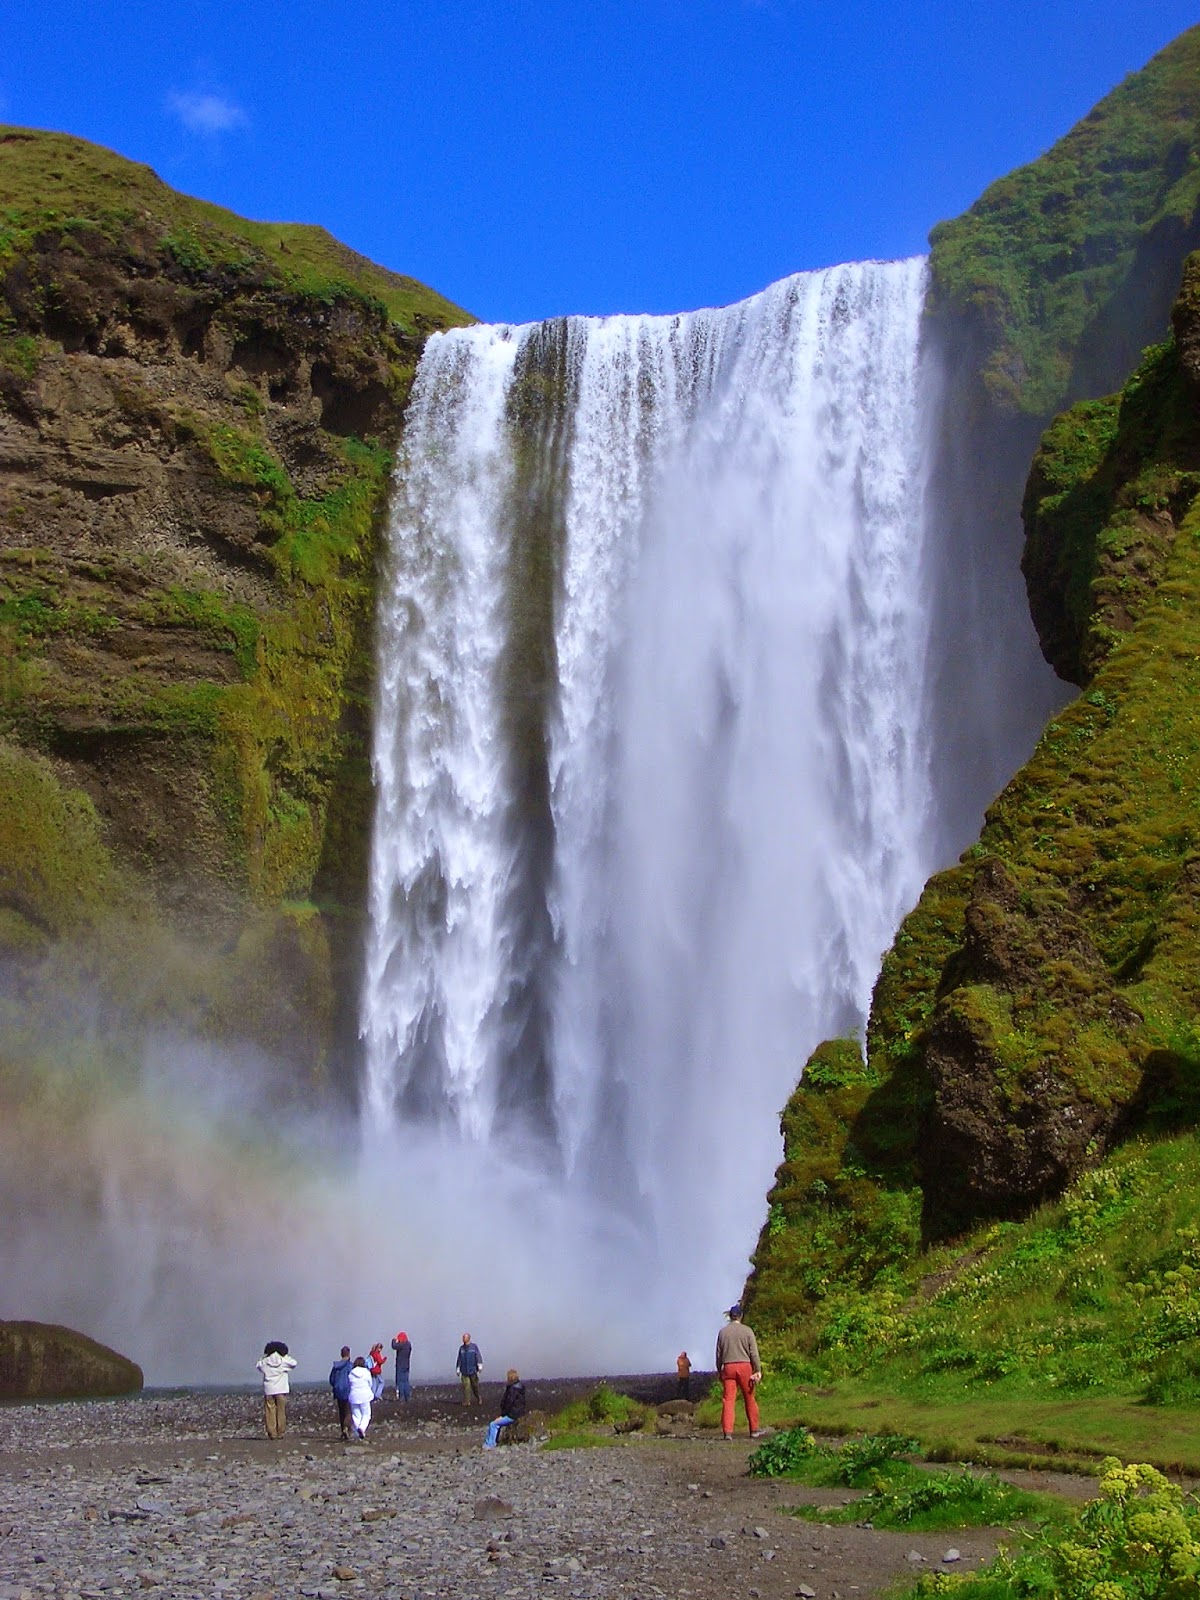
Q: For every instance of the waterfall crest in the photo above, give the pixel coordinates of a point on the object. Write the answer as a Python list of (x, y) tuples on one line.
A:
[(651, 768)]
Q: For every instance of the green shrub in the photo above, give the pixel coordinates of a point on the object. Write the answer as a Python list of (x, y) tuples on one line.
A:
[(783, 1453), (1139, 1540), (948, 1500), (859, 1457)]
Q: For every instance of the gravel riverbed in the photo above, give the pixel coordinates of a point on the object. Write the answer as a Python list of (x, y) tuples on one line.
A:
[(180, 1496)]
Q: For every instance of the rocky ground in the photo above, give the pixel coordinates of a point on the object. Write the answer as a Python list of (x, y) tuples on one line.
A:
[(180, 1496)]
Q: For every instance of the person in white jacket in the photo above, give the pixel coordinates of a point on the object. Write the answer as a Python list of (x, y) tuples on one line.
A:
[(275, 1366), (362, 1392)]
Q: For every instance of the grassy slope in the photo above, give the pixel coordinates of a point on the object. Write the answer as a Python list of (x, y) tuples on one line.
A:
[(1073, 1333), (1034, 264), (52, 177)]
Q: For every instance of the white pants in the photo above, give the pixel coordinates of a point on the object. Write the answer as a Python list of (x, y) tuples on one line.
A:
[(360, 1416)]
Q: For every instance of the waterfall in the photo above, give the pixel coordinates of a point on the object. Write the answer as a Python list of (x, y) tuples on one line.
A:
[(651, 767)]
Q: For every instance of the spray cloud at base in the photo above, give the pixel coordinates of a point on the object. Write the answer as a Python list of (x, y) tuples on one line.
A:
[(177, 1215)]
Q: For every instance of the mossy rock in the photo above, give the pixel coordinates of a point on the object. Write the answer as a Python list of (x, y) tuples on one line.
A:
[(42, 1361)]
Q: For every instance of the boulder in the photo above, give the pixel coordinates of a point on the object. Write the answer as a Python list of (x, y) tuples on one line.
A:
[(533, 1425), (41, 1361)]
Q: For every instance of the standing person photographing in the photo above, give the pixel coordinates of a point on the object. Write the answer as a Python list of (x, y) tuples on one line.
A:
[(739, 1369)]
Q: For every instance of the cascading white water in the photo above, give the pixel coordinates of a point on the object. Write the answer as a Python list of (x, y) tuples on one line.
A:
[(630, 869)]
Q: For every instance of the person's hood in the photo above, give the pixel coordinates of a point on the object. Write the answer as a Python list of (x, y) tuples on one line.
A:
[(276, 1362)]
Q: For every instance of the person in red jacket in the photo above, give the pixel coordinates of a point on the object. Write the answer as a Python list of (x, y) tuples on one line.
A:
[(377, 1363), (739, 1369)]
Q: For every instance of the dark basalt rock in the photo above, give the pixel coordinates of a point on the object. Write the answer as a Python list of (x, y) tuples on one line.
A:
[(42, 1361)]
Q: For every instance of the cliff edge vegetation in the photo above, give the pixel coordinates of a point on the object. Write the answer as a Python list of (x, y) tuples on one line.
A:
[(1062, 270), (197, 419)]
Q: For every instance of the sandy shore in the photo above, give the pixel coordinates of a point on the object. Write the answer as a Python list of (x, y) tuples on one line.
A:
[(180, 1496)]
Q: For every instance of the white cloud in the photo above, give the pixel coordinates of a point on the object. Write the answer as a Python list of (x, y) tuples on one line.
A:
[(208, 114)]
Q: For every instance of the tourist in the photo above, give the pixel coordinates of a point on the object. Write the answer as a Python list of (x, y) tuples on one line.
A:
[(362, 1392), (739, 1369), (339, 1382), (378, 1362), (402, 1345), (469, 1365), (275, 1364), (512, 1407), (683, 1367)]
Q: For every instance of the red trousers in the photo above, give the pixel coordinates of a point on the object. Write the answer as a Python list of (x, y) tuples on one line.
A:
[(735, 1375)]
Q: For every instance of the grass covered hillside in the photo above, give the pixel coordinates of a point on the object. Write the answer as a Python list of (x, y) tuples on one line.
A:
[(1062, 270), (53, 182), (1041, 1005), (197, 418)]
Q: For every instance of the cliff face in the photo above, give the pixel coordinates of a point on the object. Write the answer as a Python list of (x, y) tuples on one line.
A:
[(196, 419)]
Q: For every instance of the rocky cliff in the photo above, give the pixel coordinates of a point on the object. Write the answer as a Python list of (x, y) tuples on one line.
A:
[(197, 418)]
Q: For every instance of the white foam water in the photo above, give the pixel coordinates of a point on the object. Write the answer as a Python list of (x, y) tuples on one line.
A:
[(735, 808)]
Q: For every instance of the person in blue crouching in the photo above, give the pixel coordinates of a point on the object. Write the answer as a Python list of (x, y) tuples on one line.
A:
[(512, 1407)]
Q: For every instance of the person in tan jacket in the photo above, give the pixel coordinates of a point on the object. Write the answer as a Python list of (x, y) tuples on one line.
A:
[(739, 1369)]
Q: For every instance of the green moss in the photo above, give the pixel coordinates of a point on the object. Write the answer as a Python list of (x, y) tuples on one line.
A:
[(21, 353), (1108, 480), (845, 1207), (1047, 249), (55, 874)]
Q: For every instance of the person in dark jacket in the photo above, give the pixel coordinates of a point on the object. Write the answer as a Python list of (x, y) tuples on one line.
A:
[(512, 1407), (402, 1345), (469, 1365), (339, 1382)]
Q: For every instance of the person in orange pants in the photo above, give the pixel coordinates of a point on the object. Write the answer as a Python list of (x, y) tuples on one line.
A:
[(739, 1369)]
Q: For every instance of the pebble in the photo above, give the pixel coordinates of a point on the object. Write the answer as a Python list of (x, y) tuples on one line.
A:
[(952, 1555), (209, 1509)]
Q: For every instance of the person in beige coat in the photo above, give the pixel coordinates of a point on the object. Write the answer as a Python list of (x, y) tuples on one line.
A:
[(275, 1364)]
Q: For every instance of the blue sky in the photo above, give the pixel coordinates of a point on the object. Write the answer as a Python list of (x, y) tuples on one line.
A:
[(534, 158)]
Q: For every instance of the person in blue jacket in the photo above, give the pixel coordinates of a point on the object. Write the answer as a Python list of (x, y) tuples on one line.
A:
[(339, 1382), (469, 1365)]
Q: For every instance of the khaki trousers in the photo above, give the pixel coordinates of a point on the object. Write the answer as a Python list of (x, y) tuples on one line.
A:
[(275, 1415)]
